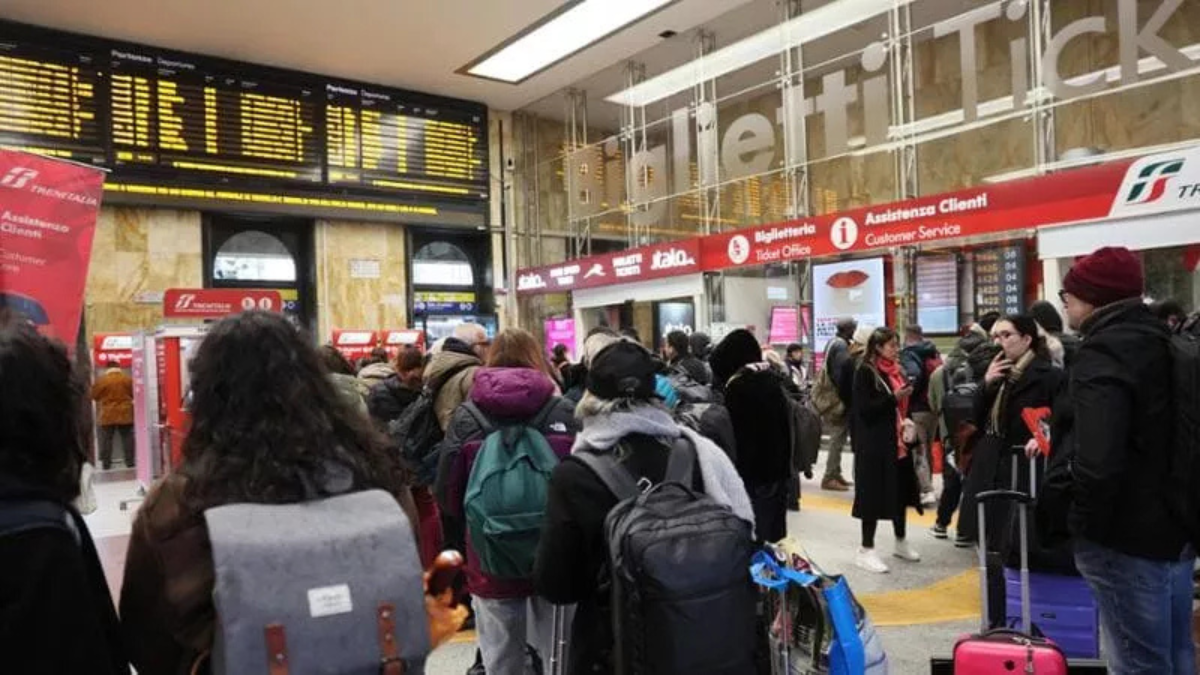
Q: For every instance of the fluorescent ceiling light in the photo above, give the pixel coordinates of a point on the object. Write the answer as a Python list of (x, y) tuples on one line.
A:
[(807, 27), (569, 30)]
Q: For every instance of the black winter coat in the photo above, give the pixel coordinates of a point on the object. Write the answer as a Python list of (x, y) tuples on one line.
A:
[(388, 399), (912, 360), (882, 480), (56, 613), (1111, 453), (573, 550), (1038, 387), (759, 409)]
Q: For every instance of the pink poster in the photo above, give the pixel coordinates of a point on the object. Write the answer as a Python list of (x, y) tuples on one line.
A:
[(561, 332), (785, 325)]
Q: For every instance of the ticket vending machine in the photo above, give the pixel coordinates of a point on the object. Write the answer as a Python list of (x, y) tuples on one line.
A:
[(161, 376)]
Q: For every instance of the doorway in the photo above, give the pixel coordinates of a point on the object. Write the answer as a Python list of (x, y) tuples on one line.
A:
[(272, 253)]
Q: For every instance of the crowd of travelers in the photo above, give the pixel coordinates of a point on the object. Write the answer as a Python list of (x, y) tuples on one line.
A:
[(553, 477)]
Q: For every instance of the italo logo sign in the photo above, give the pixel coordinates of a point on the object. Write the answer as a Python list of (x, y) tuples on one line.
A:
[(671, 259), (1152, 181), (22, 178), (530, 282)]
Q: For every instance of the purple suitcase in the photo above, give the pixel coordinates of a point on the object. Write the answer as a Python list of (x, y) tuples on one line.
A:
[(1061, 607)]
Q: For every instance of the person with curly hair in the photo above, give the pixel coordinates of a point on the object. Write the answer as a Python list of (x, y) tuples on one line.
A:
[(268, 427), (56, 614)]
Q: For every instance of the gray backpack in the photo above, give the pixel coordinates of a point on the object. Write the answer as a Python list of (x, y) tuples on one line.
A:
[(319, 587)]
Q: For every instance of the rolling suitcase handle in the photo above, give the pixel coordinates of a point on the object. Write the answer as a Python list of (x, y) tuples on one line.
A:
[(1024, 501), (1019, 452)]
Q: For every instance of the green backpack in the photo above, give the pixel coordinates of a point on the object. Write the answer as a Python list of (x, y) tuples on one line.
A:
[(505, 500)]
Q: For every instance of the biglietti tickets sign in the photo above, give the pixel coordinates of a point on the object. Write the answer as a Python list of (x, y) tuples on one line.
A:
[(638, 264), (1155, 184)]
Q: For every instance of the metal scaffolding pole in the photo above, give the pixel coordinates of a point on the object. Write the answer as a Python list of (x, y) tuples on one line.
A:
[(708, 153), (633, 137), (576, 135), (904, 111), (1045, 141), (795, 125)]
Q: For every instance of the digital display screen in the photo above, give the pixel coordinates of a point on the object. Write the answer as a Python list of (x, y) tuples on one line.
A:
[(937, 293), (1000, 280), (166, 118)]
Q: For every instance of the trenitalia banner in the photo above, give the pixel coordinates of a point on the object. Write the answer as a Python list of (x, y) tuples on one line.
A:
[(114, 347), (218, 303), (48, 212), (1154, 184)]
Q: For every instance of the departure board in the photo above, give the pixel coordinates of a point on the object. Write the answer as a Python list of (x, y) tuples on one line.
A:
[(182, 115), (1000, 280), (164, 118), (48, 103), (377, 139)]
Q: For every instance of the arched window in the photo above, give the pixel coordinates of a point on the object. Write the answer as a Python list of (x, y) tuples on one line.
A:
[(254, 256), (442, 264)]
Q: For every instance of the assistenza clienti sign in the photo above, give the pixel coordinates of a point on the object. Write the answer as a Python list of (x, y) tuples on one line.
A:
[(751, 144)]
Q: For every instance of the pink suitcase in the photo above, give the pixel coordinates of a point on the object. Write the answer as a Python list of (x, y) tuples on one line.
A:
[(1002, 651)]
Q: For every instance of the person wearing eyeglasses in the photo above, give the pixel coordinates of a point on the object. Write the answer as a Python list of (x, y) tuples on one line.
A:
[(1020, 376), (1110, 477)]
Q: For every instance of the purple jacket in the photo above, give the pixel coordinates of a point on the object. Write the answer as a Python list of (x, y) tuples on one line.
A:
[(504, 395)]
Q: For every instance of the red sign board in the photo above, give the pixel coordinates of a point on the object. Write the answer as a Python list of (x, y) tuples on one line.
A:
[(355, 344), (1034, 202), (115, 347), (216, 303), (638, 264), (46, 228), (395, 340)]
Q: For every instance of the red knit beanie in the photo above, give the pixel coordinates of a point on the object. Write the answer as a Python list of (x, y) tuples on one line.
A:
[(1109, 275)]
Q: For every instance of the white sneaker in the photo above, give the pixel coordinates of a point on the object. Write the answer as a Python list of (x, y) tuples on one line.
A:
[(929, 499), (905, 551), (868, 560)]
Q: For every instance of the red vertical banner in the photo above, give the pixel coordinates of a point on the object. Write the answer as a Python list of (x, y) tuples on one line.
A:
[(48, 211)]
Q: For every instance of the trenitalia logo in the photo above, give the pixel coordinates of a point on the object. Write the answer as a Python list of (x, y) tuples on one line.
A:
[(18, 177), (185, 301), (1152, 182), (21, 178)]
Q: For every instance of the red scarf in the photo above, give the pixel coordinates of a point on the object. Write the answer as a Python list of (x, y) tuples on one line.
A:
[(894, 377)]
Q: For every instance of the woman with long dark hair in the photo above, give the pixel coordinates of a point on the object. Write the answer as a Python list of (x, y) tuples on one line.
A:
[(268, 427), (56, 614), (883, 464)]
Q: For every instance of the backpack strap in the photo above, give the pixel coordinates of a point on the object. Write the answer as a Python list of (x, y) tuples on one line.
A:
[(618, 479), (544, 413), (485, 424), (22, 516), (681, 463)]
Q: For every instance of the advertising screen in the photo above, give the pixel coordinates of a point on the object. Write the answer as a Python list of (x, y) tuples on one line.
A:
[(560, 332), (854, 288), (785, 325), (673, 316), (937, 293)]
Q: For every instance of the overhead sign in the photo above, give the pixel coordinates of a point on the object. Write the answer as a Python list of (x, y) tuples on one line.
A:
[(112, 348), (216, 303), (1164, 182), (444, 302), (394, 340), (639, 264), (48, 212)]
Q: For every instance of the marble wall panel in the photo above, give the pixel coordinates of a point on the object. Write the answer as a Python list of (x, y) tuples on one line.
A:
[(344, 301), (138, 251)]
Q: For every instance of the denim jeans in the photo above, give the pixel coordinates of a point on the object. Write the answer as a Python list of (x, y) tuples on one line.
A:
[(506, 626), (1145, 609)]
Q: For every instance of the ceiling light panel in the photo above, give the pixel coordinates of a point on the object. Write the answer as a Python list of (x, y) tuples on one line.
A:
[(564, 34), (809, 26)]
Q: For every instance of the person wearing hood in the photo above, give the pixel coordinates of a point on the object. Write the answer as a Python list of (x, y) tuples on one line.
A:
[(1110, 475), (56, 611), (883, 462), (387, 399), (677, 350), (514, 388), (375, 369), (619, 409), (701, 345), (341, 374), (451, 371), (761, 415), (919, 359)]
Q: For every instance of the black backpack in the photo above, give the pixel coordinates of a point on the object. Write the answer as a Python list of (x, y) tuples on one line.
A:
[(682, 599), (417, 434)]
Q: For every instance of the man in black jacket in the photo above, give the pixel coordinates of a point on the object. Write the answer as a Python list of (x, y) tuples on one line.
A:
[(838, 363), (919, 359), (1115, 442), (677, 350)]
